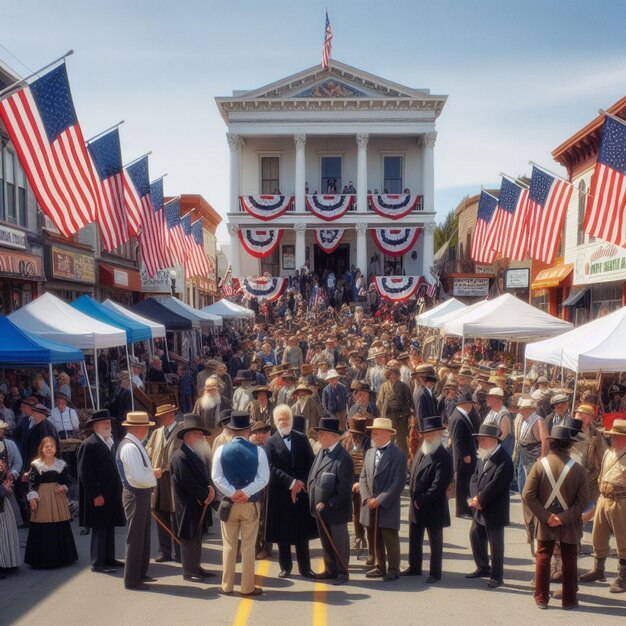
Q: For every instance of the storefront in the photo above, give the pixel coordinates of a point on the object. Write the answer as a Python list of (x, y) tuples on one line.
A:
[(121, 284), (549, 288), (469, 288), (161, 283), (71, 271)]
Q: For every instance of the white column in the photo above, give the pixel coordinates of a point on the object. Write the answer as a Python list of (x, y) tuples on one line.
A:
[(361, 247), (428, 257), (300, 245), (428, 171), (234, 143), (361, 172), (235, 262), (300, 141)]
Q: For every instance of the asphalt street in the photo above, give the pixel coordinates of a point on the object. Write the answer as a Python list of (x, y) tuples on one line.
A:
[(75, 595)]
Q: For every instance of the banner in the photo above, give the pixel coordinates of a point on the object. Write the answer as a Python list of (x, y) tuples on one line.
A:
[(398, 288), (268, 288), (394, 206), (329, 207), (328, 239), (266, 207), (395, 241), (260, 243)]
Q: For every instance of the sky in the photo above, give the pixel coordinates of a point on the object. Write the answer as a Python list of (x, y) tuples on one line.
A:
[(521, 76)]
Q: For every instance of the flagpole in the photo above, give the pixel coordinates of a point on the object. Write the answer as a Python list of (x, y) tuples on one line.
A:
[(513, 180), (547, 171), (156, 180), (26, 78), (489, 194), (104, 132), (613, 117), (138, 159), (172, 199)]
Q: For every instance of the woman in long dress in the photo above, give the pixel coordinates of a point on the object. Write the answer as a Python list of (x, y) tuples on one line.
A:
[(9, 539), (50, 541)]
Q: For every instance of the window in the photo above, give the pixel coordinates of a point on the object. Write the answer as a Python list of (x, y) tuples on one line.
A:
[(392, 174), (270, 175), (582, 197), (271, 264), (11, 215), (331, 174), (22, 211)]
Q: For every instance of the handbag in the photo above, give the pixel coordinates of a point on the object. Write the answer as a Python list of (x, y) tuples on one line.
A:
[(223, 511)]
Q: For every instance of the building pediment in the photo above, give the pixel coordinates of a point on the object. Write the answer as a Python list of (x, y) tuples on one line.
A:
[(331, 88)]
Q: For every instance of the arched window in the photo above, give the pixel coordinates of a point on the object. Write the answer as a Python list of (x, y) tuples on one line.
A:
[(582, 203)]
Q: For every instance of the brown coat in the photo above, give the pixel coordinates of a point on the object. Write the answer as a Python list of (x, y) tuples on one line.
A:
[(160, 453), (394, 399), (313, 410), (574, 490)]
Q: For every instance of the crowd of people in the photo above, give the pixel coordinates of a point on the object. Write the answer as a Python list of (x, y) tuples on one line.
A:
[(287, 430)]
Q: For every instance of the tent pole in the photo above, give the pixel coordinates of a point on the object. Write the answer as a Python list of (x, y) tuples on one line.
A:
[(132, 348), (95, 358), (562, 375), (93, 406), (130, 380), (51, 383), (575, 387), (524, 379), (167, 352)]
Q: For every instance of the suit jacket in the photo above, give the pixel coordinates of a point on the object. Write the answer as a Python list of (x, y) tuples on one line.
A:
[(313, 410), (190, 482), (256, 413), (463, 444), (121, 404), (385, 484), (431, 476), (330, 481), (210, 416), (285, 521), (491, 482), (98, 476), (161, 452), (425, 404), (33, 438)]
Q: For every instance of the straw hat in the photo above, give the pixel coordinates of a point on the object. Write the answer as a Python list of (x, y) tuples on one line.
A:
[(618, 428), (137, 418), (588, 409), (332, 374), (382, 423), (302, 388), (527, 403), (164, 409), (495, 392)]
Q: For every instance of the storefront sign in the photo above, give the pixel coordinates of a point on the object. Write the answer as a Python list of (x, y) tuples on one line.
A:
[(121, 278), (160, 282), (12, 237), (483, 269), (72, 265), (517, 278), (470, 287), (600, 263), (16, 265)]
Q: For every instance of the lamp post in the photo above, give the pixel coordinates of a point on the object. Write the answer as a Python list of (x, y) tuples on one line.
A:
[(173, 281)]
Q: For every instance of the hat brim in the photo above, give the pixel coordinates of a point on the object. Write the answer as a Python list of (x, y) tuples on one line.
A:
[(98, 419), (497, 437), (357, 432), (328, 430), (393, 431), (432, 430), (172, 410), (614, 433), (148, 423), (181, 433)]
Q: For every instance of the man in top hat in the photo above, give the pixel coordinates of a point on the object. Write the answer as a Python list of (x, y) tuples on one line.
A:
[(424, 399), (209, 405), (162, 444), (240, 471), (64, 418), (225, 434), (100, 492), (462, 429), (489, 490), (335, 397), (610, 515), (138, 480), (329, 486), (556, 492), (242, 396), (431, 475), (289, 522), (500, 416), (381, 483), (395, 402), (560, 410), (193, 493)]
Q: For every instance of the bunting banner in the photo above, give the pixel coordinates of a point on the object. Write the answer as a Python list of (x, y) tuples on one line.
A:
[(260, 243), (329, 207), (268, 288), (395, 241), (394, 206), (328, 239), (398, 288), (266, 208)]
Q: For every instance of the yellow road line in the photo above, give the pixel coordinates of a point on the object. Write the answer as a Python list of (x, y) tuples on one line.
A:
[(245, 606), (320, 608)]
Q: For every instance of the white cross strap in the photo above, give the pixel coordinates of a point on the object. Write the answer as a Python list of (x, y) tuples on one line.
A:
[(556, 485)]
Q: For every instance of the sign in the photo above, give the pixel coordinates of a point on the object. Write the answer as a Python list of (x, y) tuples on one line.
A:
[(12, 237), (483, 269), (470, 287), (16, 265), (120, 277), (517, 278), (72, 265), (160, 282), (599, 263), (289, 257)]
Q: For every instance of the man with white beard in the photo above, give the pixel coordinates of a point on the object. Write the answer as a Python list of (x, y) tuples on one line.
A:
[(209, 405), (242, 396), (431, 475)]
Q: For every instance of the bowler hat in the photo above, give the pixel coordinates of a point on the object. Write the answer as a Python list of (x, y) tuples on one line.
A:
[(465, 398), (488, 430), (191, 421), (137, 418), (329, 424), (243, 375), (239, 420), (98, 416), (431, 424)]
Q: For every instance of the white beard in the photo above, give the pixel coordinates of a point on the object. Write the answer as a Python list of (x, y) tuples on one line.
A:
[(106, 433), (430, 446), (284, 431), (483, 453), (202, 448), (208, 402)]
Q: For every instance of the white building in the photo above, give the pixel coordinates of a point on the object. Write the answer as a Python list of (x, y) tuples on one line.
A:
[(303, 132)]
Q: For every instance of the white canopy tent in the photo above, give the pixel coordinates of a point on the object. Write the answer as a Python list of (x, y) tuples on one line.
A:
[(449, 306), (157, 330), (228, 310), (440, 320)]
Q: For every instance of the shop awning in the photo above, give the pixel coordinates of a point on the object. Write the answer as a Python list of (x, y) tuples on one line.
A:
[(552, 276), (120, 278), (578, 298)]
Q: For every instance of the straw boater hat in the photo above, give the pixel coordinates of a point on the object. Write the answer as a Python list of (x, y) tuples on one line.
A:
[(431, 424), (137, 418), (618, 428), (191, 421), (329, 424), (98, 416), (382, 423), (164, 409)]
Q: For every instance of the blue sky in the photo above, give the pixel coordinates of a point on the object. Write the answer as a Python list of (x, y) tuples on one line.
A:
[(521, 76)]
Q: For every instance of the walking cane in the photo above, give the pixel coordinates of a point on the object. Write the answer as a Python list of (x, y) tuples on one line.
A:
[(330, 539), (168, 530), (204, 510), (375, 534)]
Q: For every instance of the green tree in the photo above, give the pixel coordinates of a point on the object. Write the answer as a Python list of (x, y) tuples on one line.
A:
[(448, 229)]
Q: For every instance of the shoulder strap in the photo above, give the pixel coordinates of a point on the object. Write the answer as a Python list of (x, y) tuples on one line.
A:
[(556, 485)]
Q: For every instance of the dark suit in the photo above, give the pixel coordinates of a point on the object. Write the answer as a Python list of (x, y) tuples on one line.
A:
[(461, 429), (98, 476), (121, 404), (490, 484), (330, 481), (425, 404), (287, 523), (32, 439), (431, 476), (190, 485)]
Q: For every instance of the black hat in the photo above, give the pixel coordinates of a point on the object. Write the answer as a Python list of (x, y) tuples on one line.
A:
[(488, 430), (61, 396), (329, 424), (431, 424), (243, 375), (191, 421), (98, 416), (239, 420), (573, 423), (563, 433), (464, 398), (299, 423), (224, 416)]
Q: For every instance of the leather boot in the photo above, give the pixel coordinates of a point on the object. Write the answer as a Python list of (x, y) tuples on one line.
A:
[(596, 573), (619, 584), (556, 574)]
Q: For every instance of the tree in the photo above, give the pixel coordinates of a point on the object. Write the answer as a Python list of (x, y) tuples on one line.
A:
[(447, 230)]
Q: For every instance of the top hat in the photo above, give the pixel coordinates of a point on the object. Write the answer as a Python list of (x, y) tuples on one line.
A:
[(243, 375), (618, 428), (563, 433), (382, 423), (164, 409), (329, 424), (431, 424), (260, 427), (488, 430), (137, 418), (465, 398), (573, 423), (191, 421), (299, 424), (239, 420), (98, 416), (358, 425)]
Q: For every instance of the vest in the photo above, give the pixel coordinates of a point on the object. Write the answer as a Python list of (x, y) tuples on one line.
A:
[(240, 462), (120, 465)]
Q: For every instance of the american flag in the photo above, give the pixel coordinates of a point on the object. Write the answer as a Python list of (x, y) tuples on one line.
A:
[(511, 223), (156, 194), (328, 44), (197, 263), (197, 235), (607, 200), (106, 156), (547, 205), (484, 224), (226, 284), (136, 188), (41, 121), (174, 235)]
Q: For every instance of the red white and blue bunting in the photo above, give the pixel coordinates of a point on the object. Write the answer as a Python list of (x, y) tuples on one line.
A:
[(395, 241), (260, 243), (329, 207), (268, 288), (328, 239), (266, 208), (394, 206), (398, 288)]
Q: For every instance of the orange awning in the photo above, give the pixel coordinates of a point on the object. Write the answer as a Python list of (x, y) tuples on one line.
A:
[(552, 276)]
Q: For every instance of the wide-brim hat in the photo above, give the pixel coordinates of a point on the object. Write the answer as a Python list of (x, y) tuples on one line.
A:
[(359, 385), (358, 425), (239, 420), (333, 373), (382, 423), (164, 409), (488, 430), (137, 418), (302, 388), (431, 424), (41, 408), (329, 424), (99, 416), (618, 428), (465, 371), (403, 356), (259, 388), (191, 421), (527, 403), (224, 416), (306, 369), (260, 427), (496, 392)]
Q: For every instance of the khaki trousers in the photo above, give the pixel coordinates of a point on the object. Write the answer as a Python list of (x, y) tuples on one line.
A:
[(610, 517), (243, 522)]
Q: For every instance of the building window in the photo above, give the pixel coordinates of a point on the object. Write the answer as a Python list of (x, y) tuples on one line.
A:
[(271, 264), (582, 198), (11, 212), (22, 211), (270, 175), (331, 174), (392, 174)]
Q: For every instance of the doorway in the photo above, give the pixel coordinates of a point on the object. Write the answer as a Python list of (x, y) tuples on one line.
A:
[(338, 261)]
